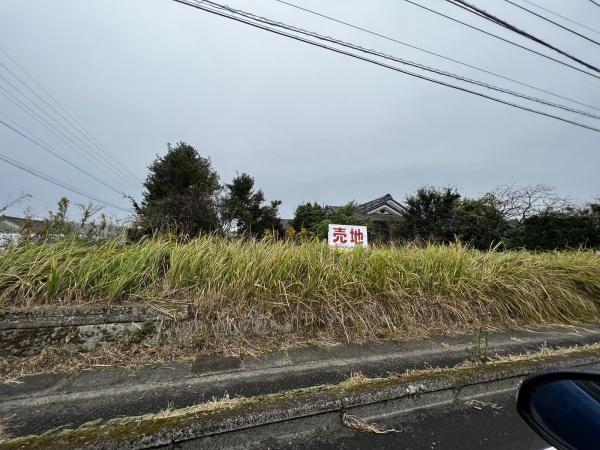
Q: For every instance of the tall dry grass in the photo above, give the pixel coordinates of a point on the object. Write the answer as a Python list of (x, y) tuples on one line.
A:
[(378, 291)]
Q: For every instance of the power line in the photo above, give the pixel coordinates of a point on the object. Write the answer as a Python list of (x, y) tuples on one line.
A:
[(57, 182), (595, 3), (77, 125), (436, 54), (65, 114), (57, 155), (79, 143), (503, 39), (495, 19), (393, 58), (53, 129), (552, 22), (72, 139), (101, 158), (561, 16), (379, 63)]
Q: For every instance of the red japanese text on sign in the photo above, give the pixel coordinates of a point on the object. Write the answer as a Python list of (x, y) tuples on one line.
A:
[(339, 235), (347, 236)]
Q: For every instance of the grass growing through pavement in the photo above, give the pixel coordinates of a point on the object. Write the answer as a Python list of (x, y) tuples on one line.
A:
[(3, 428), (127, 430), (378, 291)]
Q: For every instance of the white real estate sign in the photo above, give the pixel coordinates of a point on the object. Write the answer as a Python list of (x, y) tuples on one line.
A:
[(347, 236)]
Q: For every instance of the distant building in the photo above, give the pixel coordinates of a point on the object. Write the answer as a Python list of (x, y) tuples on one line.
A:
[(10, 230), (13, 225), (382, 208), (383, 212)]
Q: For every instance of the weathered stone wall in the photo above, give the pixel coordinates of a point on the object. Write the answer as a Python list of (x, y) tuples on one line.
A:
[(25, 332)]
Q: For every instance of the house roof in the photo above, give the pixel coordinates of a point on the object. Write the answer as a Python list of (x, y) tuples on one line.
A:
[(386, 200), (373, 207)]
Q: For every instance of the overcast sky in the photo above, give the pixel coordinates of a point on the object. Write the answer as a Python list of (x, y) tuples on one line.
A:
[(308, 124)]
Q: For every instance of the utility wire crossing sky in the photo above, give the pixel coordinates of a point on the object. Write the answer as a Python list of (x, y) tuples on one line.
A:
[(554, 57)]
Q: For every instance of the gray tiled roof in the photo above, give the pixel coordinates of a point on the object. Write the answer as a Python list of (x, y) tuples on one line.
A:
[(376, 203), (364, 208)]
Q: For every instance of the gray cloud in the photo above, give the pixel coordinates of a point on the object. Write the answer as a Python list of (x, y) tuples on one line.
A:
[(308, 124)]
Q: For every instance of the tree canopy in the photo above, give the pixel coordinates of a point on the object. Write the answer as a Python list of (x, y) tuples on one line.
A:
[(181, 193), (245, 208), (557, 230), (429, 214), (308, 216)]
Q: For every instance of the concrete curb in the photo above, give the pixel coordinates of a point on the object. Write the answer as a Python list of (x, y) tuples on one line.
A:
[(281, 417), (401, 355), (43, 402)]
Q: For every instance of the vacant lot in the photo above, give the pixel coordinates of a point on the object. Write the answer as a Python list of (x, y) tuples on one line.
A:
[(309, 288)]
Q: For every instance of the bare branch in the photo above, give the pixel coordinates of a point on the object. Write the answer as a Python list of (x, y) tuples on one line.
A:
[(10, 203), (518, 203)]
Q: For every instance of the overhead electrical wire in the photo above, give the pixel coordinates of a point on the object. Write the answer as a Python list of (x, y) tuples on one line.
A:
[(43, 121), (374, 33), (201, 6), (72, 139), (503, 23), (81, 145), (65, 115), (552, 22), (110, 161), (55, 131), (57, 182), (395, 59), (114, 169), (37, 142), (76, 124), (554, 13), (508, 41)]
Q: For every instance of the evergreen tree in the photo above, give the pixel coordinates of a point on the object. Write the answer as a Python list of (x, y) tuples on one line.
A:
[(244, 208), (181, 193)]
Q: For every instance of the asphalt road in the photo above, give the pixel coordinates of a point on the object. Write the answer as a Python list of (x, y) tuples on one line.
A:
[(491, 425), (39, 404)]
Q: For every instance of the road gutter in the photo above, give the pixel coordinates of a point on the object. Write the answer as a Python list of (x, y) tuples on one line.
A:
[(252, 422)]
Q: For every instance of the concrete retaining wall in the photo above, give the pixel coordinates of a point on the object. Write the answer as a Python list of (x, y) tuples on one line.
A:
[(25, 332)]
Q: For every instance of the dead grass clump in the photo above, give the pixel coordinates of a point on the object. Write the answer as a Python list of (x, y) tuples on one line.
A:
[(4, 427), (361, 425), (59, 361), (480, 405), (309, 289), (355, 379), (215, 404)]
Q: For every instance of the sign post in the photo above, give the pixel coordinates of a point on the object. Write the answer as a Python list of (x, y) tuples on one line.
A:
[(347, 236)]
